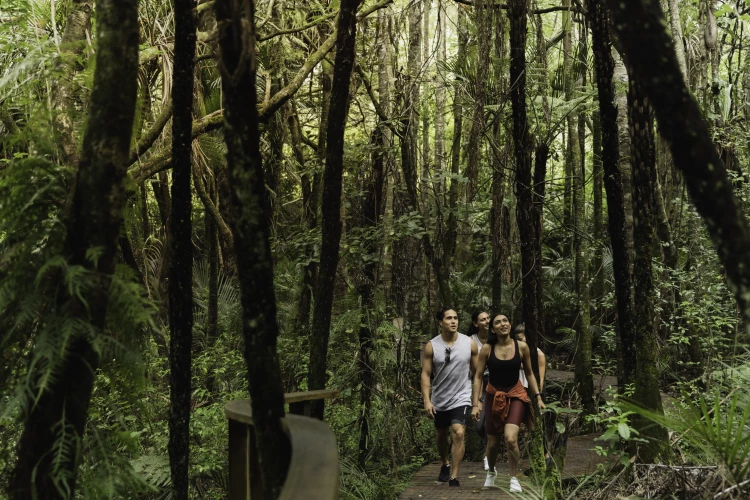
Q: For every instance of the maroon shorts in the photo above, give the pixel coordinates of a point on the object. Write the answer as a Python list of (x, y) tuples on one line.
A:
[(515, 416)]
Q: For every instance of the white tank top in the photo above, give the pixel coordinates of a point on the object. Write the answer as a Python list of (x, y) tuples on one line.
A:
[(480, 344), (522, 375), (451, 386)]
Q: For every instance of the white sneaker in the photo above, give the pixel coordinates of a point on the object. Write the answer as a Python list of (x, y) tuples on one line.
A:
[(486, 464), (515, 486), (489, 482)]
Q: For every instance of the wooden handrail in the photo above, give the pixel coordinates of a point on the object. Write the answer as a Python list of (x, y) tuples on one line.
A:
[(298, 397), (314, 468)]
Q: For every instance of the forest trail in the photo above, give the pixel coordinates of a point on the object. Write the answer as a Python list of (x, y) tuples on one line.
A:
[(579, 461)]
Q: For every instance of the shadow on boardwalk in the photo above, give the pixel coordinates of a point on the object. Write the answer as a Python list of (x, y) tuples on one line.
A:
[(580, 460)]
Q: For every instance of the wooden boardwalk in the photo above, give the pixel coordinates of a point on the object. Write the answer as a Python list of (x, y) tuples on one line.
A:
[(580, 460)]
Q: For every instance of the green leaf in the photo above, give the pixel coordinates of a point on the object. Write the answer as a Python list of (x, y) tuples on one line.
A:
[(624, 430), (560, 427)]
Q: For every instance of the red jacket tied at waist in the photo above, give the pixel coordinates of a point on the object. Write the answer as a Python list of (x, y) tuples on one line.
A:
[(500, 405)]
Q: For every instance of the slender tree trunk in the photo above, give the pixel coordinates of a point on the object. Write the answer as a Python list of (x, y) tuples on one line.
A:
[(605, 69), (598, 262), (499, 162), (483, 23), (676, 26), (572, 152), (583, 365), (440, 103), (626, 173), (643, 161), (181, 269), (213, 254), (251, 229), (526, 215), (58, 413), (650, 52), (451, 233), (371, 212), (425, 103), (310, 219), (331, 205)]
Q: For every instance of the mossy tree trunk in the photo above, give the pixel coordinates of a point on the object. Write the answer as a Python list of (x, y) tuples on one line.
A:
[(346, 31), (483, 23), (650, 53), (643, 162), (526, 214), (60, 410), (605, 67), (583, 365), (251, 238), (364, 279)]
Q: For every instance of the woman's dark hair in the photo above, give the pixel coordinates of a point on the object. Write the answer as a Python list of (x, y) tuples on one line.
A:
[(492, 338), (472, 328), (441, 313)]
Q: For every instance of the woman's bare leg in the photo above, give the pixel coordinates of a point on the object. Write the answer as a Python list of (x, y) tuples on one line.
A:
[(511, 444)]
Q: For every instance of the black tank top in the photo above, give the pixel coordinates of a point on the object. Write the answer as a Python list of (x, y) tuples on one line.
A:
[(504, 372)]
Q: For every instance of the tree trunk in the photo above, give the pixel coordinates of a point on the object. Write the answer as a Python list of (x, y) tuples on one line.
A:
[(626, 173), (371, 212), (181, 269), (425, 104), (77, 26), (676, 27), (605, 68), (499, 162), (583, 365), (651, 54), (451, 233), (331, 205), (94, 222), (251, 236), (643, 161), (526, 215), (440, 104), (572, 152), (310, 219), (483, 23), (598, 262)]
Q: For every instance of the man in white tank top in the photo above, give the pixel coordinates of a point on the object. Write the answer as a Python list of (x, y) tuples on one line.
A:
[(451, 357)]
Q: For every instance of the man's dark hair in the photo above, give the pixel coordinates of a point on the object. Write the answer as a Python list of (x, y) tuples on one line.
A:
[(441, 313)]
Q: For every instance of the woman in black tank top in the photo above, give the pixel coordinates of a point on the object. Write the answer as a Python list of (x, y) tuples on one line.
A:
[(507, 399)]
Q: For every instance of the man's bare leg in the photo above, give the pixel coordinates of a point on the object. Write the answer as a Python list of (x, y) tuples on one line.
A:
[(442, 444), (457, 450)]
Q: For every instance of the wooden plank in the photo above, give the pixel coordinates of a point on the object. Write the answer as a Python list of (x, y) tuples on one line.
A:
[(296, 397), (241, 410)]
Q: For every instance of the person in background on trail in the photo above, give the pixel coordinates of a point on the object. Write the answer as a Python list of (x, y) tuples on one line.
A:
[(451, 357), (508, 402), (520, 334), (479, 332)]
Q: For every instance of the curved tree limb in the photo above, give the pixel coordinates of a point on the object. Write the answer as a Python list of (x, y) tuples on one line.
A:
[(213, 121)]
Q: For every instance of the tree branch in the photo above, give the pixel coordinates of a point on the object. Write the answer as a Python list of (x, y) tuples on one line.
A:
[(213, 121), (148, 139)]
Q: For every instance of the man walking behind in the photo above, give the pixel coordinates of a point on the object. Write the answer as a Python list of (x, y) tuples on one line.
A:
[(451, 357)]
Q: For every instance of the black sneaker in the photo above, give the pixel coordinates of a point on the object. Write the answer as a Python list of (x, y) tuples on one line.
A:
[(454, 482), (445, 473)]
